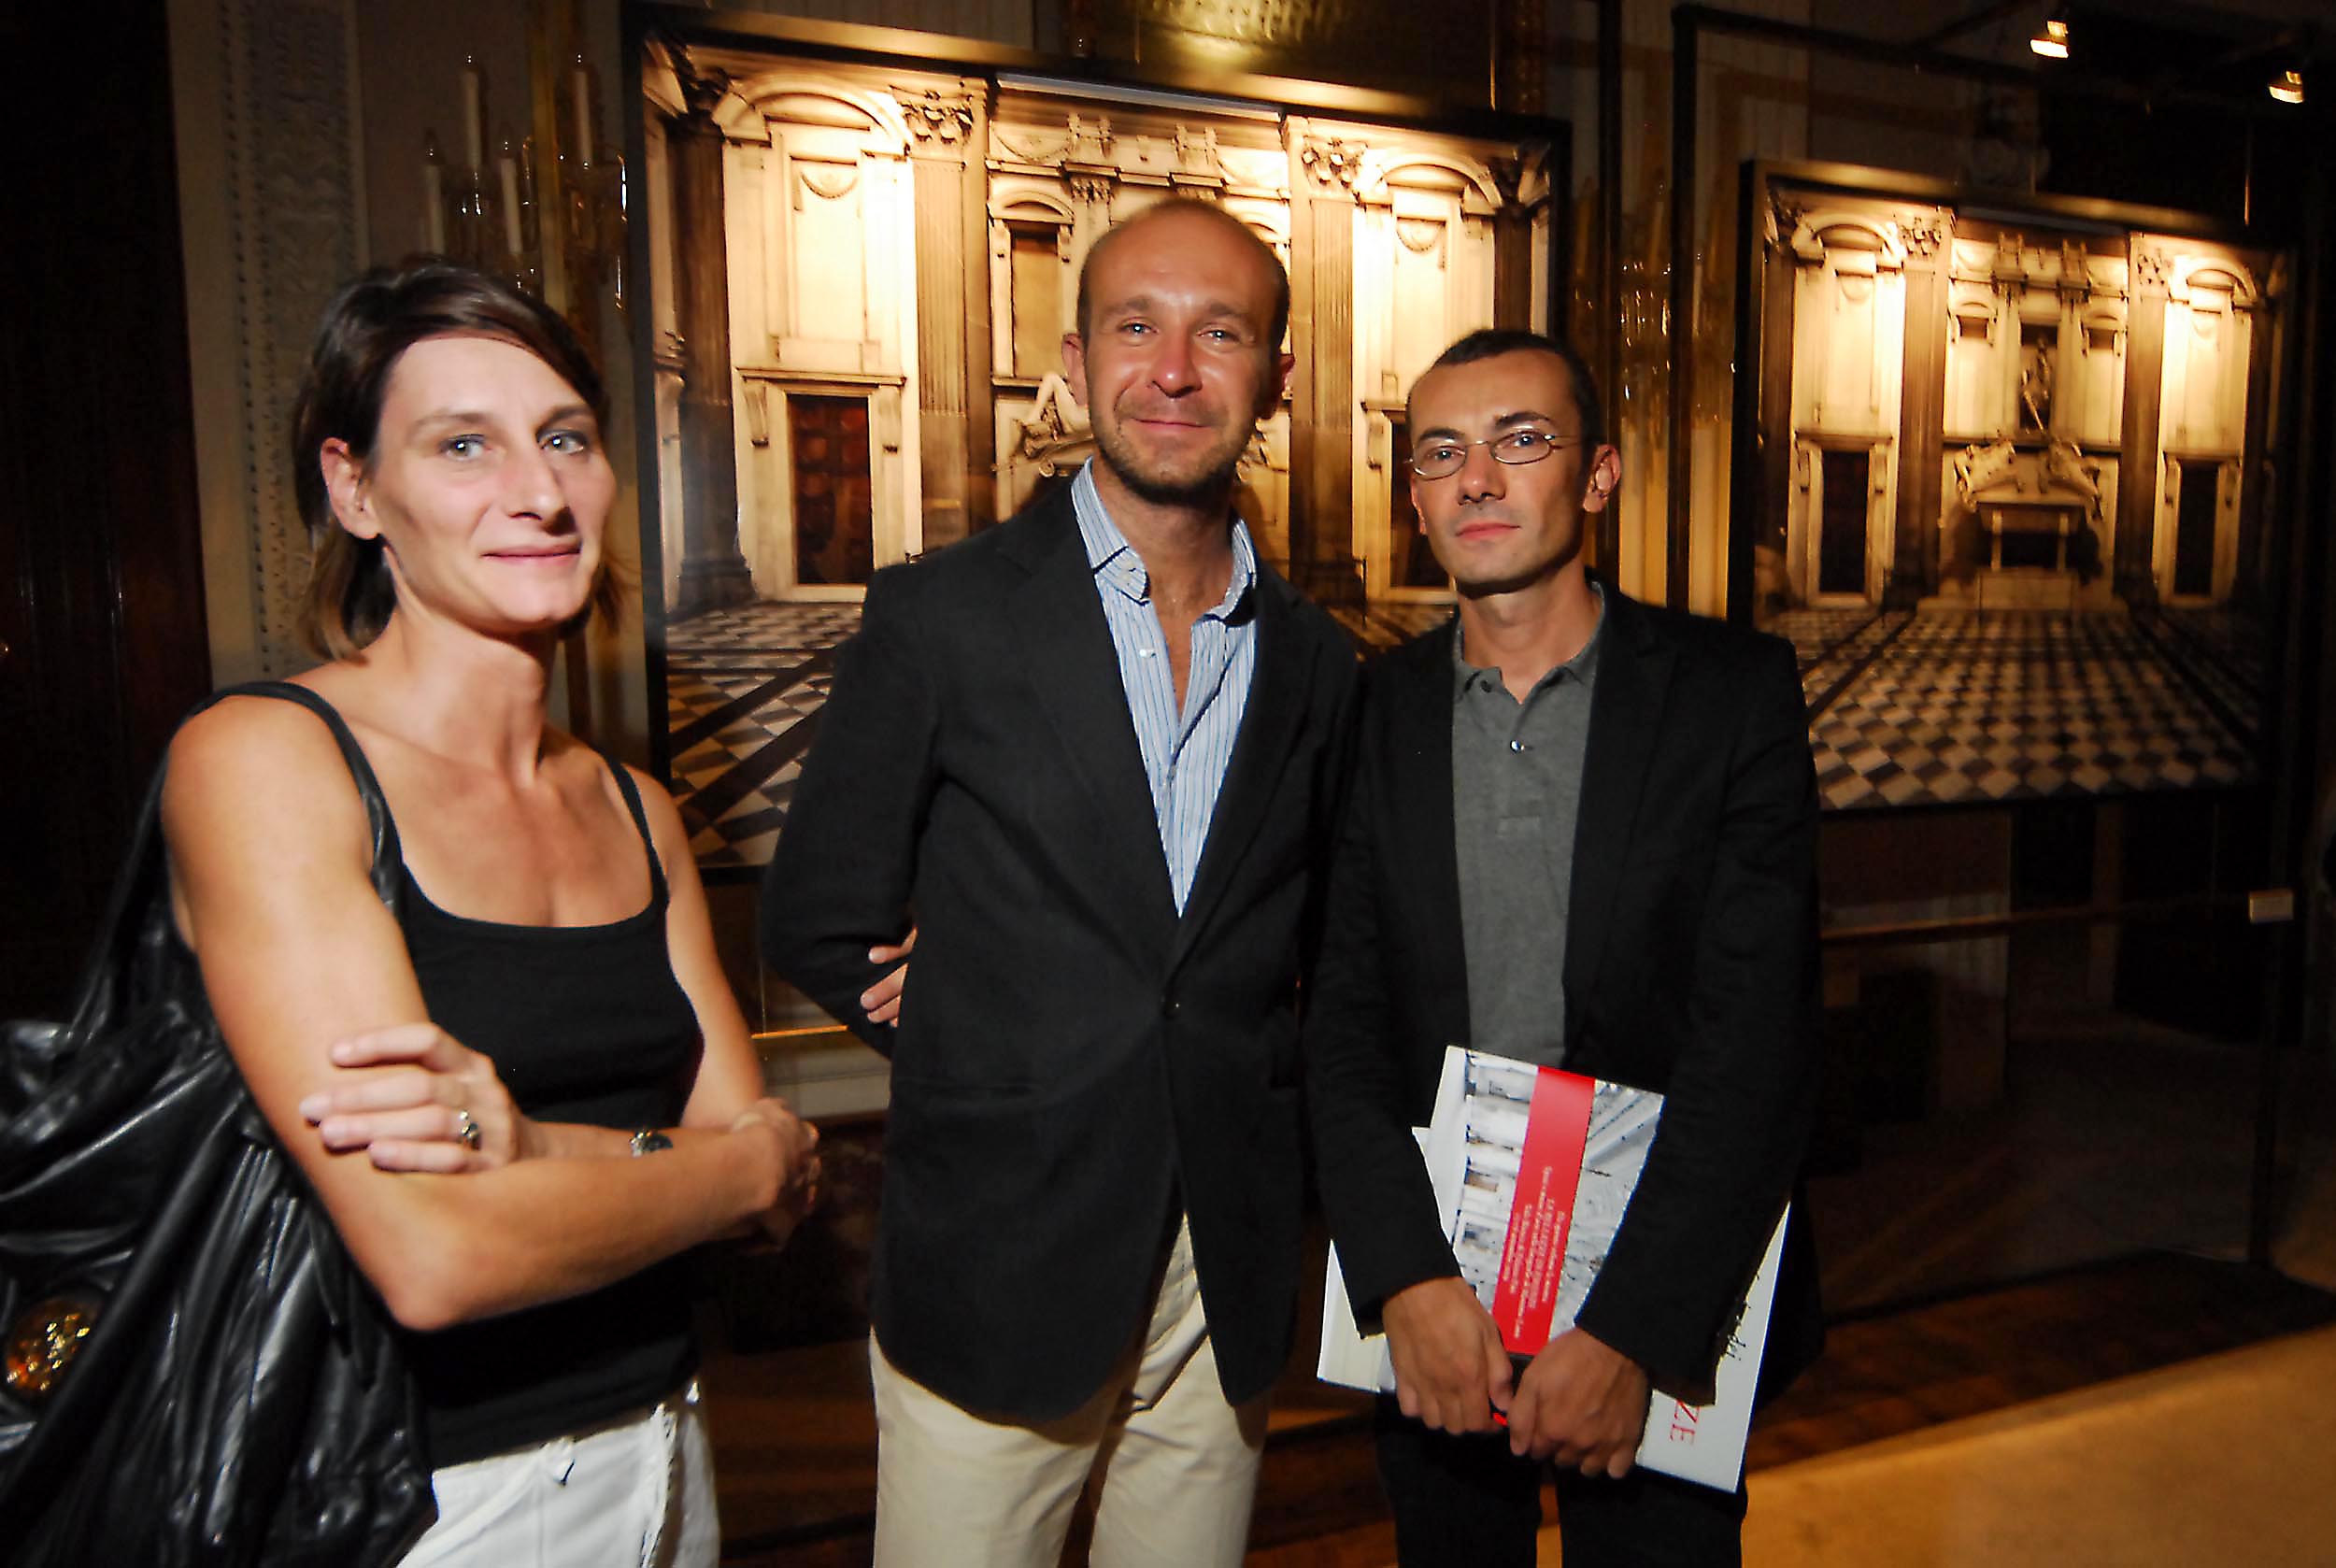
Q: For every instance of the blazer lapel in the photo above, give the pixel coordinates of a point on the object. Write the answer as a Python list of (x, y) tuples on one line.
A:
[(1418, 776), (1625, 718), (1074, 668), (1270, 723)]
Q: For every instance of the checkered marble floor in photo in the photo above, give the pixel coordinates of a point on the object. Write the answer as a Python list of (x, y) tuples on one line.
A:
[(1906, 708), (2226, 650), (1818, 635), (742, 693), (1384, 623), (1933, 707), (1834, 645)]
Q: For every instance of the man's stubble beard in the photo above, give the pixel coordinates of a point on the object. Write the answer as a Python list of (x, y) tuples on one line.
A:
[(1213, 483)]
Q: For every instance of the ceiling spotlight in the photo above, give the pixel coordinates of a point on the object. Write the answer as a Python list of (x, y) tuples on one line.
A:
[(2287, 87), (2052, 40)]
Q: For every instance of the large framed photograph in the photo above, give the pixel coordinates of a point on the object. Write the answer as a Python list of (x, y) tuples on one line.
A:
[(2006, 474), (861, 265)]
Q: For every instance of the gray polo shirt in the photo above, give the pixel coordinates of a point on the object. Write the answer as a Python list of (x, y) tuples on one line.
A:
[(1517, 790)]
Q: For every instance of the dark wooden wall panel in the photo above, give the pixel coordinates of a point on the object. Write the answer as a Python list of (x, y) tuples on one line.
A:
[(101, 567)]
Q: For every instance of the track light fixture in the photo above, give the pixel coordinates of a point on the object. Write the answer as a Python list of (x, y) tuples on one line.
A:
[(2287, 87), (2051, 39)]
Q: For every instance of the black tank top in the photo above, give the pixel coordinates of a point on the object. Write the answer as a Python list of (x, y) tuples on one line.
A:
[(586, 1024)]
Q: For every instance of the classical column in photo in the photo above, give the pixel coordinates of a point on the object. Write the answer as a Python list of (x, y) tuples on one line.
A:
[(2133, 569), (1322, 173), (1769, 515), (1513, 249), (1928, 234), (713, 573), (949, 131), (2255, 585)]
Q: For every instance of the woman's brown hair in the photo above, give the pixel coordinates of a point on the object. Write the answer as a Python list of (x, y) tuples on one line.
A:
[(371, 322)]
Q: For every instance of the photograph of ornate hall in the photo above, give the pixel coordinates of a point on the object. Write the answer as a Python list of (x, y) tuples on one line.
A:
[(2026, 620)]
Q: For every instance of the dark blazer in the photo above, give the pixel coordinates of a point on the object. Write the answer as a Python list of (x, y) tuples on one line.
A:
[(1073, 1059), (1690, 969)]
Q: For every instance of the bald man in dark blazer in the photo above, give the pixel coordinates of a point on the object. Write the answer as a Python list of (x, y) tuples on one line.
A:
[(1093, 754)]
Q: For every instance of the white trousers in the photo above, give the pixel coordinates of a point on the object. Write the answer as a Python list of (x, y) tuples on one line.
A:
[(634, 1492), (1173, 1467)]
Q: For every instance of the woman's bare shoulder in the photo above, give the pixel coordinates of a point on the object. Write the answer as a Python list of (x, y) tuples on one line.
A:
[(265, 760), (665, 827), (655, 800)]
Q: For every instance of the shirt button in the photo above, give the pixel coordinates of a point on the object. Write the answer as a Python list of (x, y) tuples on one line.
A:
[(1171, 1008), (1517, 745)]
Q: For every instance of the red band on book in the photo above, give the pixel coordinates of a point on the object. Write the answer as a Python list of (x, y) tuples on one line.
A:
[(1550, 1169)]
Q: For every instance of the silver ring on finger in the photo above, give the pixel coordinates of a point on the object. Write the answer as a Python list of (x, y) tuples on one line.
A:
[(467, 1131)]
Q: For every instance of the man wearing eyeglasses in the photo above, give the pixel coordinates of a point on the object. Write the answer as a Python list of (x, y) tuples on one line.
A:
[(1581, 832)]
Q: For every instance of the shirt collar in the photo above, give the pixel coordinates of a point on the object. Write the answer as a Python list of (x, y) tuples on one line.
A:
[(1115, 563), (1582, 667)]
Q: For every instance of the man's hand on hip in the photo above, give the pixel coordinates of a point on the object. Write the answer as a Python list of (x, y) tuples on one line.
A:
[(1450, 1368), (1580, 1404), (881, 1002)]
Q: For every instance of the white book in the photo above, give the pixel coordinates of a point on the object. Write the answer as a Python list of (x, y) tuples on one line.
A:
[(1533, 1170)]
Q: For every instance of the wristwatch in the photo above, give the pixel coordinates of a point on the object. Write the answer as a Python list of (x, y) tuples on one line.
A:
[(648, 1140)]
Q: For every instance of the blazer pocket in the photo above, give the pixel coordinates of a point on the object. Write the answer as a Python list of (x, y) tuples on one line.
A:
[(923, 1087), (952, 1150)]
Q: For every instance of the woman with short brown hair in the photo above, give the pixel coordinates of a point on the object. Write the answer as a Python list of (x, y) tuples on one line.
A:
[(524, 1090)]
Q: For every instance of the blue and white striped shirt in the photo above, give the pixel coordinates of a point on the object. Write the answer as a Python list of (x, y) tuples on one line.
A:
[(1184, 754)]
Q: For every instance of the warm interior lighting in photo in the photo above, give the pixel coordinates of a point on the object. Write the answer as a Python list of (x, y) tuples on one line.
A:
[(2287, 87), (2053, 41)]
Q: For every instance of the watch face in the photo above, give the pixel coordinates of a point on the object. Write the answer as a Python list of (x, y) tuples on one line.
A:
[(648, 1140)]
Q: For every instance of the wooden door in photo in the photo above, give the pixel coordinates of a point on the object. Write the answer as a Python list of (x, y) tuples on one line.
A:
[(835, 495)]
